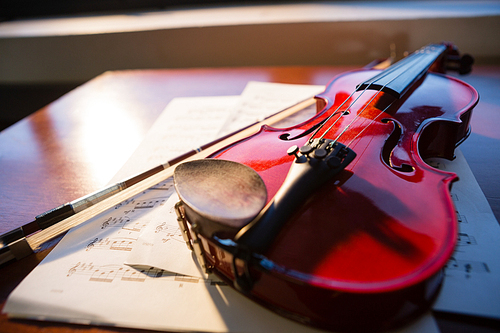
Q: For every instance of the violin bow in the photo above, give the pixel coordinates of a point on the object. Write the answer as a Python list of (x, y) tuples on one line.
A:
[(23, 241)]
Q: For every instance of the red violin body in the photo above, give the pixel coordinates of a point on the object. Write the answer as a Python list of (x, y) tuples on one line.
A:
[(365, 250)]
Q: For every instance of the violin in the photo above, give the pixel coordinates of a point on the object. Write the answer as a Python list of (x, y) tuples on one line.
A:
[(338, 222)]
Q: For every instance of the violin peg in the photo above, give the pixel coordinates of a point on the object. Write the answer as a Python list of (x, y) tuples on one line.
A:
[(461, 64), (306, 149), (293, 150), (454, 61)]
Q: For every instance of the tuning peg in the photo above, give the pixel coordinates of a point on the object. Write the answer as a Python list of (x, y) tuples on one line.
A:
[(461, 64)]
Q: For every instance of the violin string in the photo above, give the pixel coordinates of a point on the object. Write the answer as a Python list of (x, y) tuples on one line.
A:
[(355, 118), (381, 112), (334, 113), (390, 70), (371, 121), (367, 104), (359, 113), (393, 68)]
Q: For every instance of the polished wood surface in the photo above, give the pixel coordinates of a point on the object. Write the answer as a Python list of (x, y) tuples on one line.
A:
[(76, 144)]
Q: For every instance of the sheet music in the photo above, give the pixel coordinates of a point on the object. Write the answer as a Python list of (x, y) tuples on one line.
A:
[(262, 99), (163, 237), (172, 134), (472, 276), (84, 280)]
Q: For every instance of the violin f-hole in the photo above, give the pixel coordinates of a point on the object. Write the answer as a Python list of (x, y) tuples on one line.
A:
[(391, 143), (286, 136)]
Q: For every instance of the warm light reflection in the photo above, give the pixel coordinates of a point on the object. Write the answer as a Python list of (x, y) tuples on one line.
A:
[(102, 137)]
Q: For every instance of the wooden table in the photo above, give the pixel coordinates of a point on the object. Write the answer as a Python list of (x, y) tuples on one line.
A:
[(76, 144)]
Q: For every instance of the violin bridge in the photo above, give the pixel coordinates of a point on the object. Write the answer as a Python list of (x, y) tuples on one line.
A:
[(191, 238)]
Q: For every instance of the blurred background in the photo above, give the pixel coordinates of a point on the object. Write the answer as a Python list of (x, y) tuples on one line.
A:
[(48, 47)]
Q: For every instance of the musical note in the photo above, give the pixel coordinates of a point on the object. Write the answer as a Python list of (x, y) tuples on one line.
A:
[(92, 244), (125, 203), (122, 245), (167, 185), (135, 226), (160, 227), (119, 244), (467, 266), (150, 204), (465, 239), (166, 189), (133, 275), (105, 275), (461, 218), (115, 221), (169, 232), (112, 272), (73, 269)]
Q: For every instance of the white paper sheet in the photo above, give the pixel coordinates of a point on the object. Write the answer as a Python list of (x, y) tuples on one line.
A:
[(472, 282), (262, 99), (162, 245), (185, 124)]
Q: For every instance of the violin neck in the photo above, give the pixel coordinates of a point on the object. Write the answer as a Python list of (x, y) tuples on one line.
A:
[(398, 78)]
